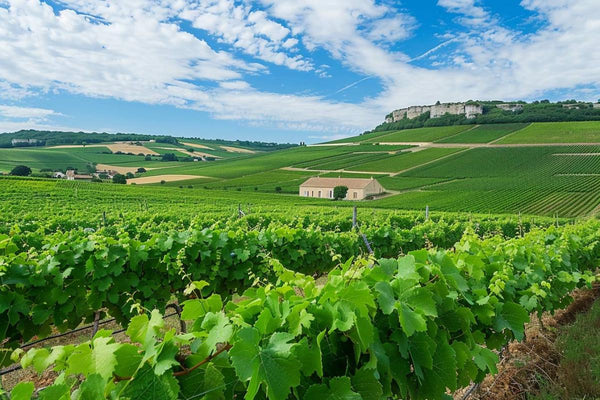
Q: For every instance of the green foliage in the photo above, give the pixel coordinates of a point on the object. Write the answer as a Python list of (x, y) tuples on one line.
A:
[(120, 179), (414, 327), (340, 192), (21, 170), (169, 157)]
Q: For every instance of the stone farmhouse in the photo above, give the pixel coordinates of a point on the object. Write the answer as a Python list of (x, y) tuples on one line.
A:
[(469, 110), (358, 189), (73, 175)]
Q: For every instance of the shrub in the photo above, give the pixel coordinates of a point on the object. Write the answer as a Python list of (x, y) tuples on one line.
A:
[(141, 170), (278, 189), (340, 192), (120, 179), (21, 170), (169, 157), (163, 182)]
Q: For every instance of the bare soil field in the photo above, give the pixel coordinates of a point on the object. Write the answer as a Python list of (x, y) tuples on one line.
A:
[(237, 150), (158, 178), (190, 153), (118, 168), (114, 147), (199, 146)]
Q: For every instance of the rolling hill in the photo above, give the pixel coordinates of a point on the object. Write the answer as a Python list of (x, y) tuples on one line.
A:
[(538, 168)]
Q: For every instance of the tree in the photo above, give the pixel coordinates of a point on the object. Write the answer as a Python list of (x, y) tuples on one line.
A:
[(129, 175), (278, 189), (21, 170), (169, 157), (148, 158), (118, 178), (141, 170), (340, 192)]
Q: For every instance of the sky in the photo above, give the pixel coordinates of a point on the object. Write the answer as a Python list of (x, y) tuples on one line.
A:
[(282, 70)]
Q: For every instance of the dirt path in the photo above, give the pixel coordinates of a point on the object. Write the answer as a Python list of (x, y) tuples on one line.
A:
[(325, 171), (523, 363)]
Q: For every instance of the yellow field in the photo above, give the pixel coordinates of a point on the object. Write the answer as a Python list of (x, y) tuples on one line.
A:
[(158, 178), (114, 147), (236, 150), (199, 146), (118, 168)]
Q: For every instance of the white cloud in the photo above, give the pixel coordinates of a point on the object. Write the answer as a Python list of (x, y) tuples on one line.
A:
[(136, 50), (26, 112), (247, 29)]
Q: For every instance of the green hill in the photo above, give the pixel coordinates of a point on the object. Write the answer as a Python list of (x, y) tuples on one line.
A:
[(537, 168)]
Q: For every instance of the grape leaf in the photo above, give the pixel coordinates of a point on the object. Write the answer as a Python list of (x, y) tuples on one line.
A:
[(274, 366), (339, 388), (146, 385)]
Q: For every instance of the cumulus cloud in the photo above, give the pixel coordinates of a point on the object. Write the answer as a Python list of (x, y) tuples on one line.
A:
[(138, 50)]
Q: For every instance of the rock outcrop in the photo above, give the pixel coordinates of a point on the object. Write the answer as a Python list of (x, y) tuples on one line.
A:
[(469, 110)]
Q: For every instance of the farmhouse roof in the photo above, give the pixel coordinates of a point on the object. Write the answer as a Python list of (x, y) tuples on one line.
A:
[(350, 183)]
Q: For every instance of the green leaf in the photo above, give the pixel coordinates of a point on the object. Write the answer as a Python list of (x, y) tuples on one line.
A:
[(165, 358), (386, 297), (410, 320), (339, 388), (442, 375), (486, 359), (146, 385), (142, 330), (407, 269), (511, 316), (367, 385), (310, 356), (206, 382), (55, 392), (103, 356), (128, 360), (273, 366), (92, 388), (22, 391)]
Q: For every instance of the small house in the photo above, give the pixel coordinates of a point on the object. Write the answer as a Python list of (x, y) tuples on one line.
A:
[(358, 189), (73, 175)]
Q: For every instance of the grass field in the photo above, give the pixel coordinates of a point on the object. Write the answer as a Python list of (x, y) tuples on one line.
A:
[(404, 161), (557, 132), (483, 133), (430, 134), (362, 138)]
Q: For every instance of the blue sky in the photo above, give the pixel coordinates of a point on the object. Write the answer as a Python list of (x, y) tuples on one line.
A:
[(281, 70)]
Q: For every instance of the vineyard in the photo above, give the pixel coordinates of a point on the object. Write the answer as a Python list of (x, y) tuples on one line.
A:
[(229, 285), (279, 300)]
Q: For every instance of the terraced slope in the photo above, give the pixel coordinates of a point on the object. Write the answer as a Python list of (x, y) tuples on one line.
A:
[(430, 134), (483, 133), (557, 132)]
